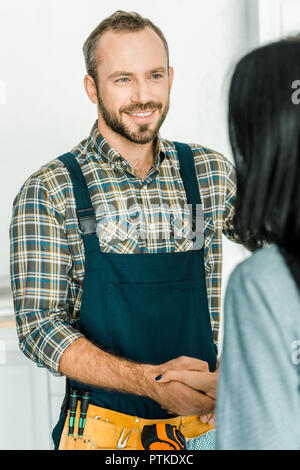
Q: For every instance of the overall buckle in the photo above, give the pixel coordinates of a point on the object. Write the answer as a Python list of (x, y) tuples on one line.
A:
[(87, 221), (197, 225)]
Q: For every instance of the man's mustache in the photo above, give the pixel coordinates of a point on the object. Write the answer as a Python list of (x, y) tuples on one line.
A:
[(150, 106)]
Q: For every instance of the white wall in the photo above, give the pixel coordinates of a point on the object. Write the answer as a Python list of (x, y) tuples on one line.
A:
[(45, 110), (278, 18)]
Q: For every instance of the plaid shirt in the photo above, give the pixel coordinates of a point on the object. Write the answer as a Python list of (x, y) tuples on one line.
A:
[(47, 254)]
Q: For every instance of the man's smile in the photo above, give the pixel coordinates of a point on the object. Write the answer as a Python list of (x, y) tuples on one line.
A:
[(143, 116)]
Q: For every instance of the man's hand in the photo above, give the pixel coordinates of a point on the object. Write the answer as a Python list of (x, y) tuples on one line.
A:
[(205, 382), (87, 363), (179, 399), (175, 396), (209, 419)]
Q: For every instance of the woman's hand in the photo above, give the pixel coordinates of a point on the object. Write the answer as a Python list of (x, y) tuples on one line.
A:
[(191, 372), (203, 381)]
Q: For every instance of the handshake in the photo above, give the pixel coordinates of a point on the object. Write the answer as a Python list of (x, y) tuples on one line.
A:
[(183, 386)]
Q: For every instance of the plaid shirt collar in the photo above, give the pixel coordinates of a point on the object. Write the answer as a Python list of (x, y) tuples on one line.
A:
[(102, 150)]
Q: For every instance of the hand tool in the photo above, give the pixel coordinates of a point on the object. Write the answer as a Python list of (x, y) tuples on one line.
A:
[(161, 436), (83, 409), (121, 444), (73, 399)]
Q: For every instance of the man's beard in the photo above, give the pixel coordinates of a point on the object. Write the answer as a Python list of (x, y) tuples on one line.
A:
[(144, 135)]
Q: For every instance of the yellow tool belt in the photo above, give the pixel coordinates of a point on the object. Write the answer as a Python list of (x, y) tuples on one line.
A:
[(104, 427)]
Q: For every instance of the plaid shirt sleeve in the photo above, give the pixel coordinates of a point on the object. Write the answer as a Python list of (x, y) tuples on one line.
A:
[(229, 225), (40, 260)]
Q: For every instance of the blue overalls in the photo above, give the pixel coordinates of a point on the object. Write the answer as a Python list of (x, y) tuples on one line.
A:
[(146, 307)]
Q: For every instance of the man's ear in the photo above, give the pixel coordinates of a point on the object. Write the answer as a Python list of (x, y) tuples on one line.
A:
[(171, 76), (90, 88)]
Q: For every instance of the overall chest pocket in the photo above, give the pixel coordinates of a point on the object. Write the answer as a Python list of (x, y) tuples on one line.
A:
[(155, 322)]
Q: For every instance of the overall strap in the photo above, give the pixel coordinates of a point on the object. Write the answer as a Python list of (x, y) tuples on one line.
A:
[(188, 173), (84, 208), (190, 182)]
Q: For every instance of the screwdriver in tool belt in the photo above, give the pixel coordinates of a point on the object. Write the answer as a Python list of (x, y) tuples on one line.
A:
[(83, 409), (73, 399)]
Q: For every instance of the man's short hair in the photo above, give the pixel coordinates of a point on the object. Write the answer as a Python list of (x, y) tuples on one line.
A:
[(120, 21)]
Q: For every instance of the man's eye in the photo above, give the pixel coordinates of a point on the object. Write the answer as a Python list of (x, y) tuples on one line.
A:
[(122, 80), (156, 76)]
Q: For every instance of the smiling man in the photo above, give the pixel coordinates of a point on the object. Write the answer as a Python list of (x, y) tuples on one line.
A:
[(130, 79), (111, 305), (129, 111)]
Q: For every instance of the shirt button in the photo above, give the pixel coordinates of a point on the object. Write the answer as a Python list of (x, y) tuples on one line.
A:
[(152, 226), (108, 238)]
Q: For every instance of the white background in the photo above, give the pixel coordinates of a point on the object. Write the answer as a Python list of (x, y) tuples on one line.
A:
[(44, 112)]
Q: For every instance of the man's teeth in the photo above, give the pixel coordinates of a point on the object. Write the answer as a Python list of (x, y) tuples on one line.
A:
[(141, 114)]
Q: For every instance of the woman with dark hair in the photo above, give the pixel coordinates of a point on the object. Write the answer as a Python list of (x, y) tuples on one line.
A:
[(258, 398)]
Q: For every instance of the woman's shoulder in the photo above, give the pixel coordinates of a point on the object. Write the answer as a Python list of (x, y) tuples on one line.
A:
[(265, 280), (265, 264)]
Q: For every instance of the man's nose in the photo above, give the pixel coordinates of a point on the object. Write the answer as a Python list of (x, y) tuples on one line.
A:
[(141, 92)]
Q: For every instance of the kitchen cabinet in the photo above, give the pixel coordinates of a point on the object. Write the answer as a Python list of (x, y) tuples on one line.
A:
[(24, 398), (30, 397)]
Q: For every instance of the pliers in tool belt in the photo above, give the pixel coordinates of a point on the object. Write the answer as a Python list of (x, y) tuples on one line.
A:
[(121, 444)]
